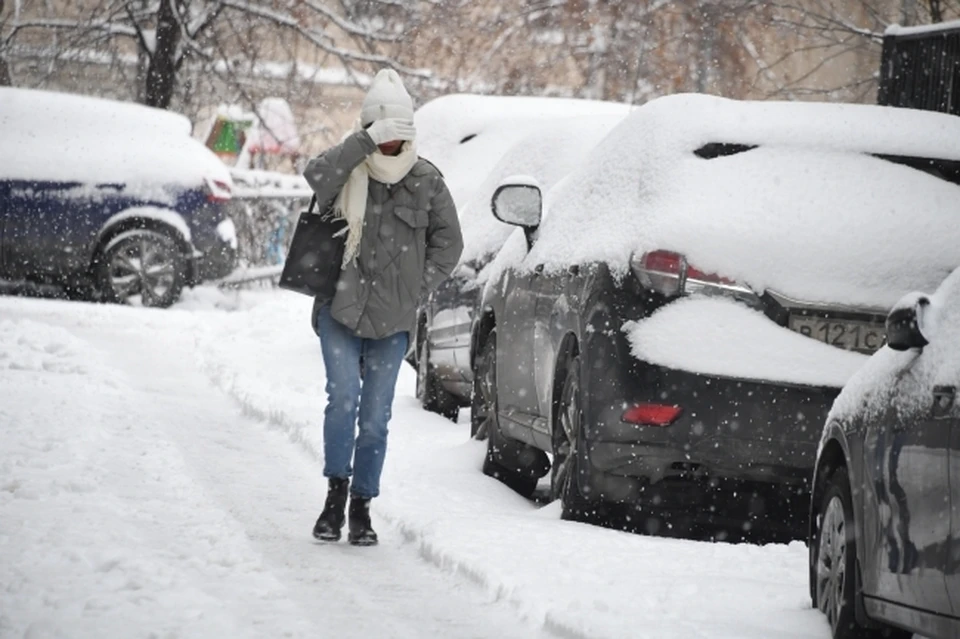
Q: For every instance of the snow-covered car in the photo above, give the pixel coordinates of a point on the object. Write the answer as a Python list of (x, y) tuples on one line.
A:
[(885, 513), (476, 141), (672, 334), (466, 135), (110, 199)]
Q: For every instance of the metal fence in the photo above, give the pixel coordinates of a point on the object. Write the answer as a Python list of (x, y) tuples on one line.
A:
[(264, 209), (920, 68)]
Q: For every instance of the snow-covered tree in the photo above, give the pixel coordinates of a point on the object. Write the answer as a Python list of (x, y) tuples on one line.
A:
[(835, 47), (225, 38)]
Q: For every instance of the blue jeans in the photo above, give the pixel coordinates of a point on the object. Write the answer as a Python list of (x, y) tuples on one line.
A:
[(351, 391)]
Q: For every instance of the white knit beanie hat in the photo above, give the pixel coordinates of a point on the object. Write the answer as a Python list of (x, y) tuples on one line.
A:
[(386, 98)]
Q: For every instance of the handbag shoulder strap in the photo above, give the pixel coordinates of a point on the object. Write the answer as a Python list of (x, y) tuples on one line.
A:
[(313, 207)]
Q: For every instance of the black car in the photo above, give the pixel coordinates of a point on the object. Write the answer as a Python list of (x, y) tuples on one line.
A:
[(671, 337), (885, 516)]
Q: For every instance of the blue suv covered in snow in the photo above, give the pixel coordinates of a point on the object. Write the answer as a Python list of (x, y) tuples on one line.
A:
[(111, 200)]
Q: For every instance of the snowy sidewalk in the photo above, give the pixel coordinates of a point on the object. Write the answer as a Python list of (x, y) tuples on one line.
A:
[(136, 500)]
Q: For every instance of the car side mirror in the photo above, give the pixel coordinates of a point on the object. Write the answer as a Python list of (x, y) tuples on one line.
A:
[(517, 201), (905, 325)]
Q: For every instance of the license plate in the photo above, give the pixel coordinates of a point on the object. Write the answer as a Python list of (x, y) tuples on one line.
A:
[(852, 335)]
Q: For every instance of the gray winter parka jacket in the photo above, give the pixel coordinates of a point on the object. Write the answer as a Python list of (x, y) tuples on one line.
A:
[(411, 241)]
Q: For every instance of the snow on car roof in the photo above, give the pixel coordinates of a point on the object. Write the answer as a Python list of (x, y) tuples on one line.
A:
[(73, 138), (808, 213), (466, 135), (547, 154)]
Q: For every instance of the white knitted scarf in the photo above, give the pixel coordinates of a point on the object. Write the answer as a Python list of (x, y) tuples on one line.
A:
[(351, 204)]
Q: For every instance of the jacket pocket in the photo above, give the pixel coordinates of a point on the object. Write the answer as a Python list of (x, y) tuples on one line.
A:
[(414, 218)]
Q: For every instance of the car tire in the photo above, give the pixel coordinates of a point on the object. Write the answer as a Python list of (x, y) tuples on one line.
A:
[(567, 447), (833, 564), (433, 397), (522, 483), (141, 262)]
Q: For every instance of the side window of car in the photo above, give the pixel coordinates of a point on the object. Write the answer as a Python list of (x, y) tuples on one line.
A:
[(948, 170)]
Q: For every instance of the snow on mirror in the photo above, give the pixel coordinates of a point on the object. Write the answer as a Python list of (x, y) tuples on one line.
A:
[(518, 204)]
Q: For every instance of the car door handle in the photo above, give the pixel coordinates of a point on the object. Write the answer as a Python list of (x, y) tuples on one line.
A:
[(943, 398)]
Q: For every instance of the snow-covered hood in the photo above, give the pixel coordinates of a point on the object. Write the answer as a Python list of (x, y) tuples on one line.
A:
[(809, 213), (72, 138)]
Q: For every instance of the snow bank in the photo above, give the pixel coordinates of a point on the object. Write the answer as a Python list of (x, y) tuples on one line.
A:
[(909, 376), (71, 138), (466, 135), (716, 336), (807, 214)]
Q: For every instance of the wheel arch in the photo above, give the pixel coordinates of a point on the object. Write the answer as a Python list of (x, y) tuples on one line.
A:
[(150, 218), (485, 324), (834, 454), (569, 348)]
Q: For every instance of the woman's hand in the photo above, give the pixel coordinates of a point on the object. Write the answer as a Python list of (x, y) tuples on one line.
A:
[(391, 129)]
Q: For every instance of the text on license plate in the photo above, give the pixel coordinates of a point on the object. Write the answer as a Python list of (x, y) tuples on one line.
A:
[(852, 335)]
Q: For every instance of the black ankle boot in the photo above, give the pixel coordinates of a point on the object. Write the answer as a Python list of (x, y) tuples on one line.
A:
[(361, 532), (331, 519)]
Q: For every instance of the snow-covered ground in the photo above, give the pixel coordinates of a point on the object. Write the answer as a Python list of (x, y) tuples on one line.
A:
[(161, 470)]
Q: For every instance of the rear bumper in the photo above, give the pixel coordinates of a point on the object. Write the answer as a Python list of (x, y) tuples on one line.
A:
[(738, 449)]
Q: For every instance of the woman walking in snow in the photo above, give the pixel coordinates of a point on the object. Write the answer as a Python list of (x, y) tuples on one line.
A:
[(403, 240)]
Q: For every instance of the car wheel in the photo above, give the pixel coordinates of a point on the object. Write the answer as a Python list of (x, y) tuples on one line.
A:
[(484, 417), (433, 397), (567, 442), (834, 564), (142, 265)]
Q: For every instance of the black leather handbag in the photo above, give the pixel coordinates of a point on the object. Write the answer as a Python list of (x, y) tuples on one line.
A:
[(313, 261)]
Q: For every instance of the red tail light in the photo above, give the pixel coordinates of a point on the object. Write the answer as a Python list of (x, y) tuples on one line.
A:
[(661, 271), (694, 273), (670, 274), (218, 190), (652, 414)]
